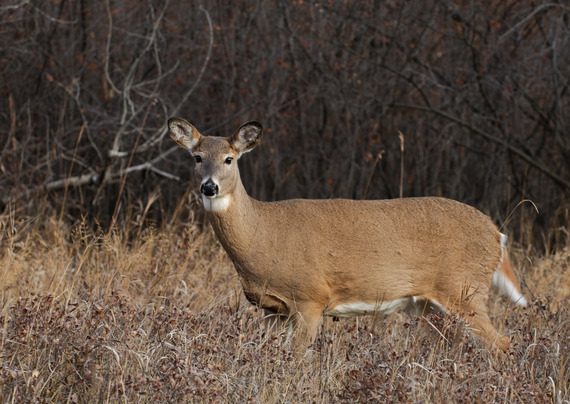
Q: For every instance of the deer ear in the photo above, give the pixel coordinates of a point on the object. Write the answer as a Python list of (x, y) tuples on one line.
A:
[(247, 137), (183, 133)]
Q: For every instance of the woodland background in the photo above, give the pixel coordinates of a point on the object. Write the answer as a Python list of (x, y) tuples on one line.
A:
[(479, 93), (113, 288)]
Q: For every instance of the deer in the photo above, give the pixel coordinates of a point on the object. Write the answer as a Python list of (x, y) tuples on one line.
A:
[(302, 259)]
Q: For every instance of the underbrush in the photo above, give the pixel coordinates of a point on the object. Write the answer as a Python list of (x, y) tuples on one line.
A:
[(157, 315)]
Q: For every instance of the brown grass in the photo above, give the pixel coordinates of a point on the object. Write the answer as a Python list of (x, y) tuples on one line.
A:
[(157, 315)]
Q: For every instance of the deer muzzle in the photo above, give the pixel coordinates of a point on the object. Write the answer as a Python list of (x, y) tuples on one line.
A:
[(209, 188)]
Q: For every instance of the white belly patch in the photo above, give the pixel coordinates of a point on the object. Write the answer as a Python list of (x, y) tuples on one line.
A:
[(362, 308)]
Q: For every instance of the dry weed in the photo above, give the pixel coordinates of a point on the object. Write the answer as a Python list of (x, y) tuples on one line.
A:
[(157, 315)]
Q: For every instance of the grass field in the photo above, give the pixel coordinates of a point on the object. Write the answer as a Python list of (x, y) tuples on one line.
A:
[(146, 314)]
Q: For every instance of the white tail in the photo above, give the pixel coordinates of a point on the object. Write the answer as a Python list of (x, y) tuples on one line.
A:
[(302, 259)]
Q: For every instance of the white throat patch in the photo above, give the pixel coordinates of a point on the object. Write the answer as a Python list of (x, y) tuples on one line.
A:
[(218, 204)]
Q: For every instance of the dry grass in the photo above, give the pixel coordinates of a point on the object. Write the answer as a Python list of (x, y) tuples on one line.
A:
[(143, 315)]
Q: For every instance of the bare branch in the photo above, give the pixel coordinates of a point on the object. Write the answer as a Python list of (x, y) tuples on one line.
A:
[(86, 179), (529, 17), (185, 97), (561, 182)]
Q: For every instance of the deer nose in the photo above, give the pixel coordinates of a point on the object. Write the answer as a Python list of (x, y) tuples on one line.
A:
[(209, 188)]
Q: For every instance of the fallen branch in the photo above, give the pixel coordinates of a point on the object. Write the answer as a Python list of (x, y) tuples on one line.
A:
[(85, 179)]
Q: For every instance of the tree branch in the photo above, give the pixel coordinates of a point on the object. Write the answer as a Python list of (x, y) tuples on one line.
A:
[(85, 179), (558, 180)]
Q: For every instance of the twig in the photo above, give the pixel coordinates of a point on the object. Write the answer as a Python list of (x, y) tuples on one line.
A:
[(515, 208), (49, 17), (51, 186), (71, 168), (376, 160), (528, 17), (115, 152), (127, 102), (15, 6)]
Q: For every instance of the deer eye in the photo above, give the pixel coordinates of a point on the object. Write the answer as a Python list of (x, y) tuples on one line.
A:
[(229, 160), (198, 159)]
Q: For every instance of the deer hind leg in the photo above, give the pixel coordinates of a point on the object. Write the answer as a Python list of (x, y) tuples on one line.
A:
[(480, 324), (471, 303)]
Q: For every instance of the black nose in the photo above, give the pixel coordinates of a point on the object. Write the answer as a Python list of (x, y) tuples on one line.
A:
[(209, 188)]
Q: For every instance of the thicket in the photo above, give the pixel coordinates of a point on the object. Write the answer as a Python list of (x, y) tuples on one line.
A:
[(371, 99)]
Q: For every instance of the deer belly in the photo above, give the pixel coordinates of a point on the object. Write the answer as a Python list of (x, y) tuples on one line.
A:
[(366, 308)]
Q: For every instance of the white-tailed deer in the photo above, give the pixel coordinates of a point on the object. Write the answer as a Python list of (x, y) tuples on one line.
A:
[(302, 259)]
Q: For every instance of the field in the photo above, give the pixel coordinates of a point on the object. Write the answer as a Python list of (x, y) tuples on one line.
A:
[(143, 314), (113, 287)]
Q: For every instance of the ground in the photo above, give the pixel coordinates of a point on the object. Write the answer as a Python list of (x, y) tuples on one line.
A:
[(157, 315)]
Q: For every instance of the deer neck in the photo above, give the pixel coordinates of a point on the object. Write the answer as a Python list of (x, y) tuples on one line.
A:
[(236, 224)]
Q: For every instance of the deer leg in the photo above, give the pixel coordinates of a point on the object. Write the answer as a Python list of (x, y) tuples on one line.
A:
[(480, 324)]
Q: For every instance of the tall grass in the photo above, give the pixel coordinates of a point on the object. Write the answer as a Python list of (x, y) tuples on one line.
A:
[(143, 314)]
